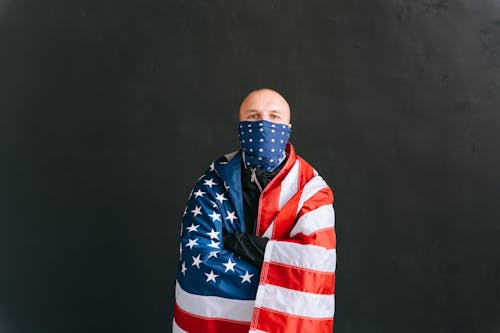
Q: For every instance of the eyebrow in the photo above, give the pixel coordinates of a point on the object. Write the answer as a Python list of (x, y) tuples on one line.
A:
[(272, 111)]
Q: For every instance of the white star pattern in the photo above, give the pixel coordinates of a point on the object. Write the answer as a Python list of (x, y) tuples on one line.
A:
[(246, 277), (214, 244), (209, 182), (193, 227), (197, 211), (213, 234), (273, 142), (212, 166), (214, 204), (229, 265), (199, 193), (231, 216), (191, 243), (183, 269), (220, 197), (226, 186), (213, 254), (211, 276), (196, 261), (215, 216)]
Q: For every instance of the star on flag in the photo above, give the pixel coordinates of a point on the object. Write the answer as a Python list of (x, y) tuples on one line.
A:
[(199, 193), (213, 234), (209, 182), (211, 276), (246, 277), (213, 254), (193, 227), (229, 265), (214, 216), (196, 261), (231, 216), (220, 197), (196, 211), (191, 243), (183, 269), (214, 244)]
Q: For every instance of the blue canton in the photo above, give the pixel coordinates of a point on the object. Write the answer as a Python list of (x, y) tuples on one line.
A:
[(205, 267)]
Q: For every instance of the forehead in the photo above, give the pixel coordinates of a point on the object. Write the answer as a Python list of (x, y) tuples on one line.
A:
[(264, 100)]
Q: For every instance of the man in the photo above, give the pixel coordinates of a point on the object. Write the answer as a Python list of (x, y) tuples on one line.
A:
[(257, 237)]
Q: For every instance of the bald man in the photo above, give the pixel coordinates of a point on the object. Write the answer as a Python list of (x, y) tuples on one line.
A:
[(257, 250)]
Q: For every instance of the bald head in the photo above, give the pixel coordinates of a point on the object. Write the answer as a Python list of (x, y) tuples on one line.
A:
[(265, 104)]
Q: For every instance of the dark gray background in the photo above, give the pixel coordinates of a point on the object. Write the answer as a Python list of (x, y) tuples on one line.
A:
[(110, 110)]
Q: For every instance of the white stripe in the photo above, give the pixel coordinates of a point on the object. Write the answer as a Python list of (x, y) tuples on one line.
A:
[(269, 230), (289, 185), (311, 188), (294, 302), (214, 306), (176, 328), (257, 331), (304, 256), (320, 218)]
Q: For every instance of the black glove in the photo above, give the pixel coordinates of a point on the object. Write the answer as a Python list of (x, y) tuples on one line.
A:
[(249, 247)]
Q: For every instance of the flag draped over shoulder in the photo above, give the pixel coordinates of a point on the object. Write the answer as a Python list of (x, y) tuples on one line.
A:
[(294, 291)]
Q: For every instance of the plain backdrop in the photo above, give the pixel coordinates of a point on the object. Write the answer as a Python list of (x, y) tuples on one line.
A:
[(110, 110)]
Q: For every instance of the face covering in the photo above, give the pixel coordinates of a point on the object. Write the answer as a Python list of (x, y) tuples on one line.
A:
[(263, 143)]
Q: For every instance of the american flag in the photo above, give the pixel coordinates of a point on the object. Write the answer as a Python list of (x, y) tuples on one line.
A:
[(294, 292)]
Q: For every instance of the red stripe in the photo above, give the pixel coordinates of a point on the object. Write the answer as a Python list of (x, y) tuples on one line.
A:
[(269, 199), (320, 198), (197, 324), (277, 322), (286, 218), (324, 237), (306, 172), (299, 279)]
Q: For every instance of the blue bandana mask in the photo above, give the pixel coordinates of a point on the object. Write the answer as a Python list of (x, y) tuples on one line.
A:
[(263, 143)]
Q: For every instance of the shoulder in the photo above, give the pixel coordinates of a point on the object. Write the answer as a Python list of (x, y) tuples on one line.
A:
[(314, 179)]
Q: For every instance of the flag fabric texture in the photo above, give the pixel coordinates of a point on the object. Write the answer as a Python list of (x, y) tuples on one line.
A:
[(294, 291)]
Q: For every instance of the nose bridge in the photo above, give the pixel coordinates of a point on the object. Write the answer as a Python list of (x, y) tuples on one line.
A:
[(264, 114)]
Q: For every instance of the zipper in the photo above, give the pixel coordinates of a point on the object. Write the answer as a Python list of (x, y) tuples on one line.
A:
[(253, 179)]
